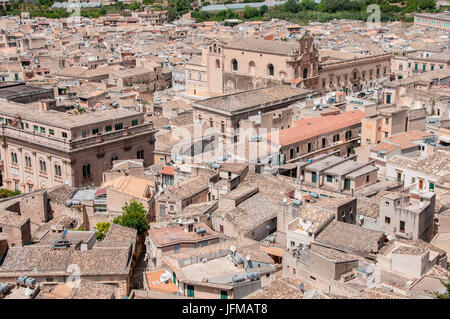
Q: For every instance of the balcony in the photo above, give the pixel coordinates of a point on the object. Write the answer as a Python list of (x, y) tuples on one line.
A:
[(69, 145)]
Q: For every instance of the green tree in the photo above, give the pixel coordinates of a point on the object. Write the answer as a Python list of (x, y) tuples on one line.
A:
[(133, 216), (250, 12), (134, 6), (263, 9), (426, 4), (102, 229), (291, 6)]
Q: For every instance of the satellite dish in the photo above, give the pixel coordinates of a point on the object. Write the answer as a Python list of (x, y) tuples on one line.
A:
[(28, 292)]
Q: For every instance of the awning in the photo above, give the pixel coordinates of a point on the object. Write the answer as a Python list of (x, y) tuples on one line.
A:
[(288, 166), (444, 138)]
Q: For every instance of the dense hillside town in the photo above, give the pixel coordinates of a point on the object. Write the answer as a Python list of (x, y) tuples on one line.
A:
[(155, 151)]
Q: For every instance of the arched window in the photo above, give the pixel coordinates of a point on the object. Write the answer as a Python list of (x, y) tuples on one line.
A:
[(114, 158), (251, 68), (354, 75), (305, 73), (270, 69), (210, 49), (215, 48), (140, 154), (57, 170), (42, 165), (27, 161), (14, 157), (217, 64), (234, 65)]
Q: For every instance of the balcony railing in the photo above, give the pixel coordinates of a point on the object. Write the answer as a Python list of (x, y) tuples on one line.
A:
[(68, 145)]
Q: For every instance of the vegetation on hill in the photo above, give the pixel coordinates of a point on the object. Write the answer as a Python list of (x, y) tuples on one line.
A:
[(307, 10), (303, 11)]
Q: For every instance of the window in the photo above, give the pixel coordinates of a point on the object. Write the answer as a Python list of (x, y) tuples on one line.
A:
[(298, 149), (305, 73), (190, 291), (204, 243), (223, 294), (402, 226), (171, 208), (83, 134), (387, 220), (367, 178), (114, 158), (217, 64), (291, 153), (270, 69), (57, 170), (1, 230), (324, 142), (134, 122), (431, 186), (140, 154), (108, 128), (221, 228), (42, 129), (51, 132), (416, 67), (176, 247), (329, 178), (222, 127), (118, 126), (314, 177), (14, 157), (35, 128), (27, 161), (413, 180), (432, 67), (16, 186), (234, 65), (42, 165), (87, 171), (94, 131), (424, 67), (309, 147), (64, 134), (347, 184)]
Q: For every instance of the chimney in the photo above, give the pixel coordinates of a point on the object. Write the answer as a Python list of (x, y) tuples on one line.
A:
[(43, 105)]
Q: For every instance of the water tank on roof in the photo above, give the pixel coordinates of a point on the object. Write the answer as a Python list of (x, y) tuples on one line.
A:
[(270, 239), (238, 259), (238, 278), (309, 160), (250, 276), (30, 281), (21, 280), (297, 202), (215, 165), (69, 203), (314, 195), (200, 230), (3, 287), (255, 275)]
